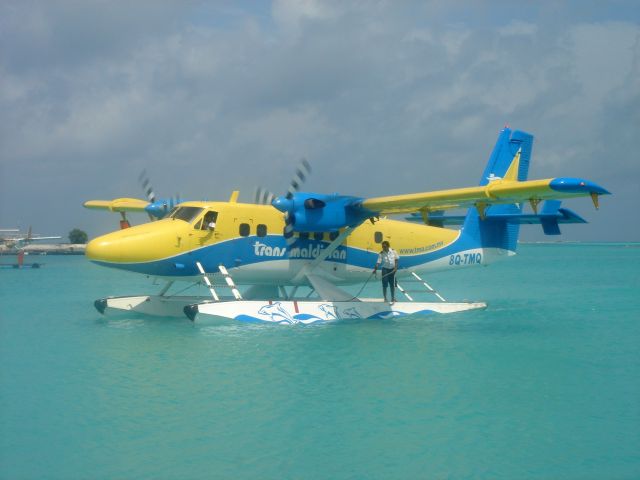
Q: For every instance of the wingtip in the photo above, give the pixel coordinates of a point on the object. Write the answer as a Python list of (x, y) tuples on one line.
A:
[(577, 185)]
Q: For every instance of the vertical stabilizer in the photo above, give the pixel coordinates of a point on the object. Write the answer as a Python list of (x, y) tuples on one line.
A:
[(505, 152), (509, 161)]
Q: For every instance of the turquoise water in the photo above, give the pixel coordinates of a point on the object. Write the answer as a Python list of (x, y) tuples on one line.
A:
[(544, 384)]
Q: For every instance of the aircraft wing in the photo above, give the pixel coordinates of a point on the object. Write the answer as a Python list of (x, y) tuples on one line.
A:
[(118, 205), (495, 192), (311, 212), (38, 237)]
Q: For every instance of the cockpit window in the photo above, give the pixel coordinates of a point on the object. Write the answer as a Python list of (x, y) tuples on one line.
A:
[(186, 213), (209, 220)]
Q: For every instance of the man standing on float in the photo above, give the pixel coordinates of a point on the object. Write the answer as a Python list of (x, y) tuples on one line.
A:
[(388, 260)]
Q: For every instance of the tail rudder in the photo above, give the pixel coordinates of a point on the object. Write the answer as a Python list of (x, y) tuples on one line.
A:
[(509, 160), (511, 146)]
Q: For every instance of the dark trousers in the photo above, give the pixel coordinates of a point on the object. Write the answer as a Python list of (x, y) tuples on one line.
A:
[(389, 279)]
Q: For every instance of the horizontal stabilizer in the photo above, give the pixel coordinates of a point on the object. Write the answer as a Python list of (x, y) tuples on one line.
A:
[(550, 216), (438, 219)]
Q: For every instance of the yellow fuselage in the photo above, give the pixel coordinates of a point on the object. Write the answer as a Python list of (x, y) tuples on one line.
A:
[(249, 239)]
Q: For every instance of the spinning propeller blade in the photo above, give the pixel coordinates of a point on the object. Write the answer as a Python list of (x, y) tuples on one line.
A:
[(146, 186), (148, 189), (302, 172), (263, 196), (174, 201), (157, 207)]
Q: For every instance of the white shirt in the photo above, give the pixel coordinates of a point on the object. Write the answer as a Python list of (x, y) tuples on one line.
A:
[(387, 259)]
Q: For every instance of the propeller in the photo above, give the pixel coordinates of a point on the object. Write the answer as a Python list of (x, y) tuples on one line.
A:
[(157, 208), (146, 186), (265, 197), (302, 172), (145, 183)]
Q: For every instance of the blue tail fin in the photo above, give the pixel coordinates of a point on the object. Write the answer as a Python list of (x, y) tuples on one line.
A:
[(496, 232)]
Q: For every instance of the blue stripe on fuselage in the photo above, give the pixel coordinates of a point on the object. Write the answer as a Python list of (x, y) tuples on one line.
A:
[(255, 250)]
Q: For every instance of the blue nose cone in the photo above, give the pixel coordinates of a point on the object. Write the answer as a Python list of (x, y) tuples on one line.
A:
[(283, 204)]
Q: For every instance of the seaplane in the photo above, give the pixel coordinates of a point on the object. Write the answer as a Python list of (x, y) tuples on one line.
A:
[(12, 241), (295, 253)]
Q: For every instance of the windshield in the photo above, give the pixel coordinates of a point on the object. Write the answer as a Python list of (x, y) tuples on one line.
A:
[(186, 213), (173, 210)]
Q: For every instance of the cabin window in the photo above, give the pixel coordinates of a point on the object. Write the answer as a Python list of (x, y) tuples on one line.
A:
[(261, 230), (209, 221), (333, 235), (244, 229), (377, 237), (187, 214), (318, 235), (304, 235)]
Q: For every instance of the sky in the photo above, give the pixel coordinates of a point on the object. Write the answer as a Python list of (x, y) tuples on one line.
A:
[(381, 97)]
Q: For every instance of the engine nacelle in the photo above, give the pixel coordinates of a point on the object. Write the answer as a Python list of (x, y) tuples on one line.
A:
[(312, 212), (161, 207), (158, 209)]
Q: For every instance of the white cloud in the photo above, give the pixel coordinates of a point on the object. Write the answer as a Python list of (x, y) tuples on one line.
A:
[(354, 87), (291, 14), (605, 57), (518, 28)]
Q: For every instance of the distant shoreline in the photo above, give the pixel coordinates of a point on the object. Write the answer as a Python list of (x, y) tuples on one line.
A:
[(48, 249)]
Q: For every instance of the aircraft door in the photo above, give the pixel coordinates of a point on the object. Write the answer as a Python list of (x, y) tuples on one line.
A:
[(372, 240)]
